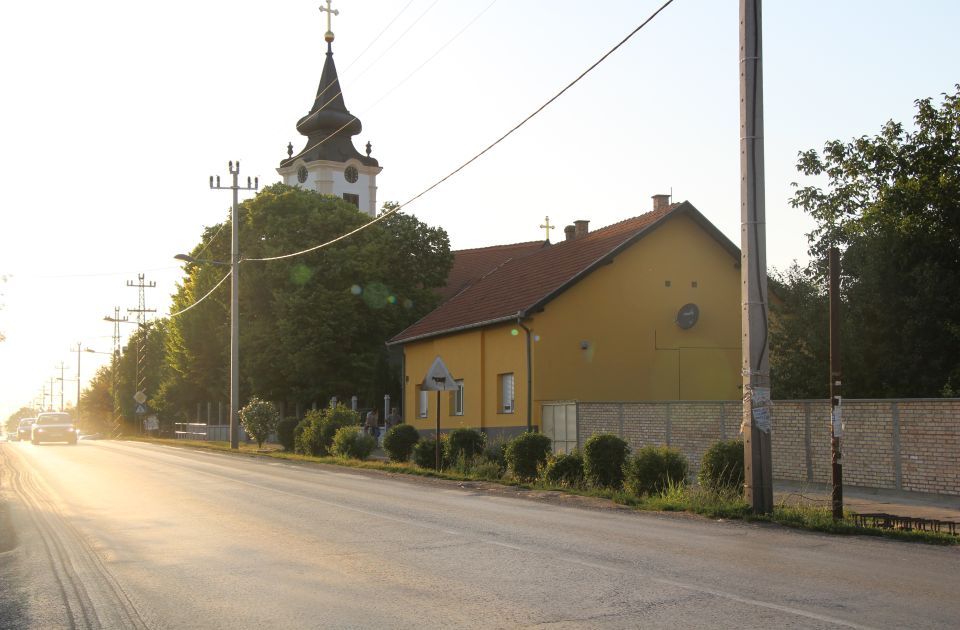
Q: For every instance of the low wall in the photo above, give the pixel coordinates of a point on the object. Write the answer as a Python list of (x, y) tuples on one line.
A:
[(910, 444)]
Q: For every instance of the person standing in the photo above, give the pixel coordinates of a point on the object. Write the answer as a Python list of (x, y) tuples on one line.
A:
[(373, 419)]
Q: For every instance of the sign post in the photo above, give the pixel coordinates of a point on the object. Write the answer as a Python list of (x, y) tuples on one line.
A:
[(438, 379)]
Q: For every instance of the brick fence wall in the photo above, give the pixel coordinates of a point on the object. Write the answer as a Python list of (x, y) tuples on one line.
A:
[(911, 444)]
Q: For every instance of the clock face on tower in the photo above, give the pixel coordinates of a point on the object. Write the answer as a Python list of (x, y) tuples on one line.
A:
[(351, 174), (302, 174)]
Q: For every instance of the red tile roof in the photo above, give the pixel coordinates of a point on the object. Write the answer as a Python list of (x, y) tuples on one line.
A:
[(526, 283), (469, 265)]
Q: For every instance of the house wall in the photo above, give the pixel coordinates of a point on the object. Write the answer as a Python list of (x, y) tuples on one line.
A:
[(478, 357), (625, 315), (911, 444)]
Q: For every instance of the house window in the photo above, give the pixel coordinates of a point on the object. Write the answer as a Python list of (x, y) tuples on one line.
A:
[(352, 198), (423, 402), (505, 392), (456, 400)]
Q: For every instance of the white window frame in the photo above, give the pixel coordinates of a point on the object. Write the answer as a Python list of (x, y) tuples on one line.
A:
[(507, 392), (458, 404), (423, 403)]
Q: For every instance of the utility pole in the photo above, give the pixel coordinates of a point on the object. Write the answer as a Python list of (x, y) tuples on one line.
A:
[(77, 409), (234, 295), (141, 312), (758, 461), (115, 363), (836, 416), (62, 367)]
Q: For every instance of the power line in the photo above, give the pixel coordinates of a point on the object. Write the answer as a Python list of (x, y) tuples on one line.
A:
[(215, 287), (379, 35), (478, 155)]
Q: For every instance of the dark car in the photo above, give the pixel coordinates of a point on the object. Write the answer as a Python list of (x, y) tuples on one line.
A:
[(24, 428), (54, 427)]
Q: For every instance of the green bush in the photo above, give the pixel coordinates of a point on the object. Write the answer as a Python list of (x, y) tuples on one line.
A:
[(466, 443), (352, 442), (496, 453), (285, 433), (654, 469), (314, 435), (722, 466), (603, 457), (526, 453), (424, 453), (259, 419), (399, 442), (565, 470)]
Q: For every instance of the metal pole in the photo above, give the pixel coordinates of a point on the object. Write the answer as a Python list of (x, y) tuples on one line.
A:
[(758, 462), (437, 445), (836, 424)]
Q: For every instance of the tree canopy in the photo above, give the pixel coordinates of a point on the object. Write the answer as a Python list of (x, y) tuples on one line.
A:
[(311, 326), (891, 203)]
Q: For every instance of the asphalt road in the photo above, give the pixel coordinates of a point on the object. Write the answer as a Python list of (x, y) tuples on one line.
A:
[(130, 535)]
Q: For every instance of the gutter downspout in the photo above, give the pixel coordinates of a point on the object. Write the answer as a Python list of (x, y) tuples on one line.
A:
[(529, 373)]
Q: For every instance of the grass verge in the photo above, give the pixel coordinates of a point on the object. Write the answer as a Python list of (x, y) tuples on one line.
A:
[(676, 498)]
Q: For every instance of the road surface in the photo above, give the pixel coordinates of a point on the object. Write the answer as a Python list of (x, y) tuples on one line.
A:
[(131, 535)]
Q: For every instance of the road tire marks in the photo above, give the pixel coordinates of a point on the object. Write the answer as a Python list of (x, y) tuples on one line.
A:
[(91, 596)]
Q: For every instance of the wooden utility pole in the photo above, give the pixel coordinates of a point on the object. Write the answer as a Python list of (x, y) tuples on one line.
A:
[(836, 417), (758, 462)]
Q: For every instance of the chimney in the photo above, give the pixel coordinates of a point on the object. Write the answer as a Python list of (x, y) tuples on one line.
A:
[(581, 227), (661, 202), (568, 233)]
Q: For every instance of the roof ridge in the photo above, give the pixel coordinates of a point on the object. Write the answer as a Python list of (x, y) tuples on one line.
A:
[(503, 245)]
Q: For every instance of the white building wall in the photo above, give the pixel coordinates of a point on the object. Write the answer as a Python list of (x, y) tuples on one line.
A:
[(328, 178)]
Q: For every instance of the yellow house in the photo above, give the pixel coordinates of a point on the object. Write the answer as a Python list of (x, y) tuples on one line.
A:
[(645, 309)]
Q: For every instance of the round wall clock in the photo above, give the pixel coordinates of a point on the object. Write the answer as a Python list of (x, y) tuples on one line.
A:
[(351, 174), (302, 174), (687, 316)]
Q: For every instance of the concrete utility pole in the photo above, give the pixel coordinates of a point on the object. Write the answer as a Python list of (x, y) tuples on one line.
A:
[(77, 409), (141, 311), (116, 320), (758, 462), (235, 296), (836, 416), (61, 367)]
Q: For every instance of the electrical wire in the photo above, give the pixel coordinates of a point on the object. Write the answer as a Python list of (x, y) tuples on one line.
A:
[(377, 38), (184, 310), (478, 155)]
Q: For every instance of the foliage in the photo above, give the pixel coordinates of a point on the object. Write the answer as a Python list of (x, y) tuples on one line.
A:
[(154, 370), (315, 325), (467, 443), (603, 457), (565, 470), (14, 420), (399, 442), (351, 442), (259, 419), (424, 453), (526, 453), (496, 453), (654, 469), (96, 401), (286, 433), (314, 435), (891, 203), (722, 466)]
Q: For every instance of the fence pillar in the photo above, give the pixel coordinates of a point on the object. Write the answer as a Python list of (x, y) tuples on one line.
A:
[(897, 464), (333, 402), (353, 402), (667, 427), (807, 444), (386, 405)]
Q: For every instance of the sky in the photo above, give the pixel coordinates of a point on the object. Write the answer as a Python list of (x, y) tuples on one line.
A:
[(115, 113)]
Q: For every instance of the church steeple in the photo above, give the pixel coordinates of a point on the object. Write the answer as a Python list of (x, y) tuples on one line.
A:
[(328, 161)]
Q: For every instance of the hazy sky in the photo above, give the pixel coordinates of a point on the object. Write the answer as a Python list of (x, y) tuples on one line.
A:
[(115, 113)]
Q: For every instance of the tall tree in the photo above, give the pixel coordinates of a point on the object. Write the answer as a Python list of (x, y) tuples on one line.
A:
[(312, 326), (892, 204), (96, 401)]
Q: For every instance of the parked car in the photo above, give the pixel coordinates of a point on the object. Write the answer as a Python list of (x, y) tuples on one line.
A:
[(24, 428), (54, 427)]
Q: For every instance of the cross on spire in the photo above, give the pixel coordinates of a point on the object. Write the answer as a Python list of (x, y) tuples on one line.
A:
[(546, 226), (328, 36)]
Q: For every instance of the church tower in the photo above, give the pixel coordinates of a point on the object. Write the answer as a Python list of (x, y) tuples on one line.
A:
[(329, 163)]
